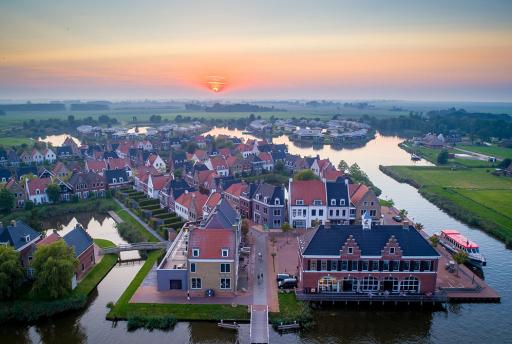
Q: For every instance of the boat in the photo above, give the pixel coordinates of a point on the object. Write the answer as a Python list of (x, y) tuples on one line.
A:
[(415, 157), (456, 242)]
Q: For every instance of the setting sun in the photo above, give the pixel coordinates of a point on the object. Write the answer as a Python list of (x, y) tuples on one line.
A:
[(216, 83)]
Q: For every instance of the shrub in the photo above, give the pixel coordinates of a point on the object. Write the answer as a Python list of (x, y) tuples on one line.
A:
[(129, 233), (165, 322)]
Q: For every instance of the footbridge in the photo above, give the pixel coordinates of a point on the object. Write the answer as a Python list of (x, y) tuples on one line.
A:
[(259, 328), (139, 246)]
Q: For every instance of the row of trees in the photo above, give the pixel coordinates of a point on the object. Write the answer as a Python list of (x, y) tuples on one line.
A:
[(54, 266)]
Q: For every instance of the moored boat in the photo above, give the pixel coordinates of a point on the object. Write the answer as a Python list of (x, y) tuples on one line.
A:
[(415, 157), (455, 242)]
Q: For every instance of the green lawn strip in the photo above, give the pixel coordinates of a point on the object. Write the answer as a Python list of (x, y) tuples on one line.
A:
[(14, 141), (498, 200), (291, 310), (430, 154), (126, 217), (99, 271), (123, 309), (495, 151)]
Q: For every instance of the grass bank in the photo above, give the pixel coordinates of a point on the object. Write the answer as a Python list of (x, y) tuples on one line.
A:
[(126, 217), (291, 310), (30, 308), (472, 195), (124, 310)]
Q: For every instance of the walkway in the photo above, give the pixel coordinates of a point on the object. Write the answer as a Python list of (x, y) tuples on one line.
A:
[(145, 225), (259, 328), (138, 246)]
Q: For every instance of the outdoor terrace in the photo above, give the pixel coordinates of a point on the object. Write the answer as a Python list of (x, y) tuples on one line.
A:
[(176, 257)]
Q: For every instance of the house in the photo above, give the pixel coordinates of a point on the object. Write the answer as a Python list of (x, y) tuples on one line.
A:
[(141, 176), (18, 191), (83, 246), (86, 184), (246, 197), (307, 204), (204, 257), (304, 134), (66, 190), (156, 161), (247, 149), (156, 184), (21, 237), (36, 189), (189, 205), (218, 164), (319, 166), (5, 175), (364, 200), (355, 259), (118, 163), (338, 202), (198, 156), (269, 205), (97, 166), (69, 142), (60, 170), (49, 156), (37, 157), (210, 204), (26, 171), (177, 159), (173, 190), (13, 158), (431, 140), (116, 178), (268, 161), (26, 158), (232, 194)]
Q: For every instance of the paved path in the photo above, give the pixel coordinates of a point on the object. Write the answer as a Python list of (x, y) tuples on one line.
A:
[(483, 157), (145, 225), (259, 311)]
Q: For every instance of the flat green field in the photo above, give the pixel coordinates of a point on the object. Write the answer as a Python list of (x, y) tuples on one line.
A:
[(431, 154), (474, 195), (14, 141), (498, 152)]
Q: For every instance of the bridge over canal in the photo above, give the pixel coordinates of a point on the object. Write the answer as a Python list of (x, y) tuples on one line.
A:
[(142, 246)]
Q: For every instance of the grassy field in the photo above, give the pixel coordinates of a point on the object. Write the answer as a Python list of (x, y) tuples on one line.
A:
[(474, 196), (498, 152), (431, 154), (123, 214), (14, 141)]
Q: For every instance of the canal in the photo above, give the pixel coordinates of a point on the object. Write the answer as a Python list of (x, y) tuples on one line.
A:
[(471, 323)]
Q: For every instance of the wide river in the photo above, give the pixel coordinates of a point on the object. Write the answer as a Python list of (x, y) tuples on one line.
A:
[(464, 323)]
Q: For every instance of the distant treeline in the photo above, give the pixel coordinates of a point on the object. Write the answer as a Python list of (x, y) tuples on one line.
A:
[(478, 125), (217, 107), (89, 106)]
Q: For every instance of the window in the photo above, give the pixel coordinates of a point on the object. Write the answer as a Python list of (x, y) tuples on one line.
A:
[(196, 283), (277, 223), (365, 265), (312, 264), (354, 265), (395, 264), (294, 212), (313, 212), (225, 252), (344, 265), (193, 267), (265, 210), (369, 284), (415, 265), (324, 265), (277, 212), (342, 202), (334, 265), (337, 212), (83, 267), (410, 285), (365, 203), (385, 265), (350, 250), (195, 252), (405, 265), (304, 212), (320, 212), (299, 202), (225, 267), (425, 265), (277, 201), (333, 201), (317, 202), (225, 283), (330, 212), (373, 212), (375, 265), (391, 250)]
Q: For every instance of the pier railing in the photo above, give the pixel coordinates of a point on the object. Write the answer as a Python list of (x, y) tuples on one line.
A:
[(350, 297)]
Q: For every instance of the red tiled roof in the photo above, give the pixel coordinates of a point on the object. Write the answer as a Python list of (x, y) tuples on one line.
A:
[(242, 147), (124, 147), (236, 189), (332, 174), (152, 158), (265, 156), (357, 192), (143, 172), (213, 199), (200, 154), (59, 167), (96, 165), (189, 199), (225, 152), (308, 191), (231, 161), (219, 163), (323, 163), (38, 183), (49, 239), (210, 243), (202, 176), (118, 163), (159, 182)]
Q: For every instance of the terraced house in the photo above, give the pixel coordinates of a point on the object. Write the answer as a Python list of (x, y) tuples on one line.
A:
[(269, 205)]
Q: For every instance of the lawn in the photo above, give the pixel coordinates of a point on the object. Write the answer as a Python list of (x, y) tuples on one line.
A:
[(14, 141), (291, 310), (473, 195), (126, 217), (496, 151), (124, 309)]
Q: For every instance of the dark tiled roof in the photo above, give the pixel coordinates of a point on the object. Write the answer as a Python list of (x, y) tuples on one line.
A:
[(271, 192), (224, 216), (110, 155), (337, 190), (79, 239), (5, 174), (120, 173), (24, 170), (328, 242), (64, 150), (15, 234)]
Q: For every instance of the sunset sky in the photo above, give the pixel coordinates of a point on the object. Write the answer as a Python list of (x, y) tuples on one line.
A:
[(259, 49)]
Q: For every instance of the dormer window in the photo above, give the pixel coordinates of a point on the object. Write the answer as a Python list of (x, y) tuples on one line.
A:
[(317, 202), (38, 192), (224, 252), (342, 202), (277, 202), (299, 202), (391, 250), (121, 179), (27, 238), (265, 199), (333, 201), (350, 250), (195, 252), (114, 180)]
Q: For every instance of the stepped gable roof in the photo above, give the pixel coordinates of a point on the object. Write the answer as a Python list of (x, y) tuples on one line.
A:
[(337, 190), (224, 216), (211, 242), (308, 191), (329, 241), (17, 234), (79, 239)]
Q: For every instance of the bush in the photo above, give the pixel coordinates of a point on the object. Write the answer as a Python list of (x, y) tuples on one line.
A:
[(129, 233), (165, 322)]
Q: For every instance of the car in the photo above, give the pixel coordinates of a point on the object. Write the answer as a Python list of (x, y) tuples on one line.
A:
[(288, 283), (281, 277), (209, 293), (397, 218)]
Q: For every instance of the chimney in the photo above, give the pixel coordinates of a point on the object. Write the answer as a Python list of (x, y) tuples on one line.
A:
[(405, 224)]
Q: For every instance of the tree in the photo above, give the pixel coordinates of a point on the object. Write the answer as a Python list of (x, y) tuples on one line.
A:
[(54, 267), (419, 226), (442, 157), (343, 166), (245, 228), (403, 213), (460, 258), (11, 272), (178, 173), (29, 205), (505, 163), (53, 192), (285, 227), (305, 175), (6, 201), (279, 167), (434, 240)]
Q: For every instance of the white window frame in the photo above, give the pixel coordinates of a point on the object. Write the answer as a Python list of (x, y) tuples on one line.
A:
[(224, 252), (193, 267), (196, 252), (198, 283), (225, 280)]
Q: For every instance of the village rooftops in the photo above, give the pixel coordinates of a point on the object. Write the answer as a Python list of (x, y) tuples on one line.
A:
[(79, 239), (307, 192), (17, 234)]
